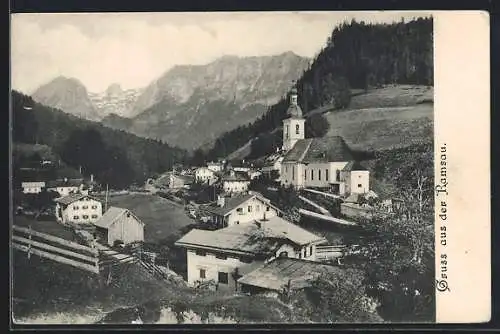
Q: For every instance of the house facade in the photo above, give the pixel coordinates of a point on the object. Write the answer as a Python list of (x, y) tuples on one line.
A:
[(78, 208), (240, 209), (32, 187), (66, 186), (225, 255), (119, 224), (234, 183), (205, 175)]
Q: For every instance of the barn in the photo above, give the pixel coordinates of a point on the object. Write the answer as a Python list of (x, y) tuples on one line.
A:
[(119, 224)]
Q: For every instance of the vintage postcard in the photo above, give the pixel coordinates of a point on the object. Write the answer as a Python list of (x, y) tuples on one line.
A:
[(250, 167)]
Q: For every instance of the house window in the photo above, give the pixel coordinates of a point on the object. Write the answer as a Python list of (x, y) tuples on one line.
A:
[(249, 208), (94, 216), (319, 174), (240, 211), (221, 257), (312, 174), (85, 217), (337, 176), (310, 250), (203, 273), (201, 253), (297, 129), (76, 217), (326, 174), (267, 209), (359, 185), (75, 207), (223, 277), (85, 207)]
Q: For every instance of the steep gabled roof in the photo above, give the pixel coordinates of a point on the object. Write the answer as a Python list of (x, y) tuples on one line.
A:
[(112, 215), (319, 150), (231, 203)]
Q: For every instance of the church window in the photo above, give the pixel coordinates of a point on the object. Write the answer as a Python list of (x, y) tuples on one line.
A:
[(286, 131), (326, 174), (359, 185), (337, 175), (297, 129), (319, 174), (312, 174), (293, 172), (305, 174)]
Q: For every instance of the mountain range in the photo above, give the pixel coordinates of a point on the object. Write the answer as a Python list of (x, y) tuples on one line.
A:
[(206, 99)]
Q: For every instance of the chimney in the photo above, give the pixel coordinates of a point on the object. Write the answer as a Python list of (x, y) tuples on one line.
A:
[(221, 201)]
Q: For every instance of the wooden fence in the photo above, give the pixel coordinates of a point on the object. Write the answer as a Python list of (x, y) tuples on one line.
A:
[(57, 249), (324, 253)]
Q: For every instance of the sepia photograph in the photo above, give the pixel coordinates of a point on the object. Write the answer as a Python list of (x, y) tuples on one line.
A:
[(223, 168)]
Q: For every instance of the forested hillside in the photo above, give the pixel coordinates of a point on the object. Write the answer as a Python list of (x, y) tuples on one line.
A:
[(115, 157), (358, 56)]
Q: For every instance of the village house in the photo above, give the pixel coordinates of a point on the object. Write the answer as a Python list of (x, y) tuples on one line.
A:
[(118, 224), (227, 254), (205, 175), (235, 182), (216, 166), (318, 162), (283, 273), (65, 186), (177, 181), (240, 209), (78, 208), (32, 187), (254, 174)]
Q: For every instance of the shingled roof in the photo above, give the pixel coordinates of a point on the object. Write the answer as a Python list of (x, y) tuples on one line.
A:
[(276, 274), (319, 150), (231, 203), (353, 165), (257, 238), (71, 198), (110, 216)]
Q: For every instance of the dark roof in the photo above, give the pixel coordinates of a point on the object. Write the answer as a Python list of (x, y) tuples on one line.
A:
[(276, 274), (249, 237), (235, 176), (294, 111), (109, 217), (314, 150), (353, 166), (231, 203), (68, 199)]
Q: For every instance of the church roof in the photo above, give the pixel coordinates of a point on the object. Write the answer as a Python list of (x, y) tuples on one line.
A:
[(294, 111), (353, 166), (319, 150)]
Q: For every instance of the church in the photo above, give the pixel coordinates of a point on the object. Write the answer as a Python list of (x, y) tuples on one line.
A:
[(325, 163)]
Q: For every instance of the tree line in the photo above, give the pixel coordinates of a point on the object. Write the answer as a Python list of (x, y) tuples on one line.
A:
[(114, 157), (357, 55)]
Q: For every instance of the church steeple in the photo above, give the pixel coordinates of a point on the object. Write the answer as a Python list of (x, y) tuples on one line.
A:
[(293, 127)]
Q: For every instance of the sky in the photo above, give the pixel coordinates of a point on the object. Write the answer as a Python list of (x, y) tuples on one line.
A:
[(133, 49)]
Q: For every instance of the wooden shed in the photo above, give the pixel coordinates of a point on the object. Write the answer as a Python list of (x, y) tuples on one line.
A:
[(119, 224)]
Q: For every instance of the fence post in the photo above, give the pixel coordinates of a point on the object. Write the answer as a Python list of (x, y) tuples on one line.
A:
[(29, 245)]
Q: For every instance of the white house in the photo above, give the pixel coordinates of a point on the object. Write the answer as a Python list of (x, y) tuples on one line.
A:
[(225, 255), (234, 182), (239, 209), (119, 224), (78, 208), (318, 162), (215, 166), (32, 187), (254, 174), (66, 186), (205, 175)]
